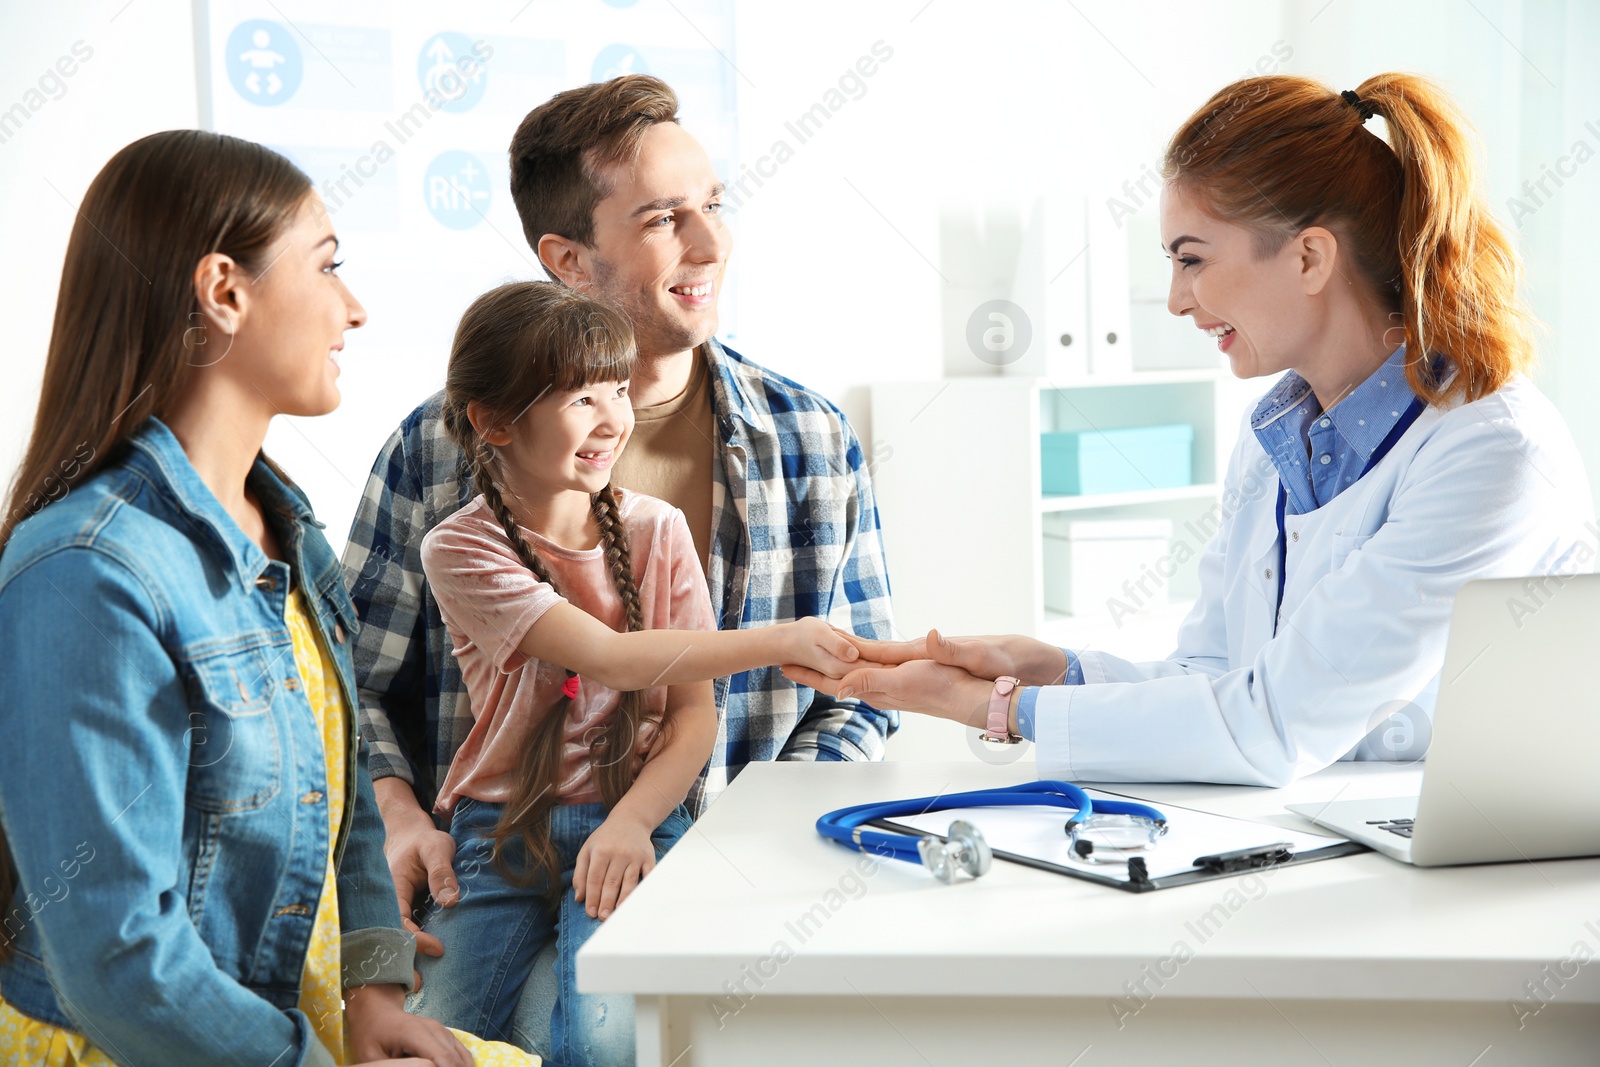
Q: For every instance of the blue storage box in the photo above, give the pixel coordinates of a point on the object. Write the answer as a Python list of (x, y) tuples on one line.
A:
[(1117, 461)]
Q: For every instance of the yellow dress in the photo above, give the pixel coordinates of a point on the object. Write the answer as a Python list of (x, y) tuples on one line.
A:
[(28, 1041)]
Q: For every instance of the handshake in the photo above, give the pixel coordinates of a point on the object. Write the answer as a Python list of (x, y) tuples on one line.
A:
[(950, 677)]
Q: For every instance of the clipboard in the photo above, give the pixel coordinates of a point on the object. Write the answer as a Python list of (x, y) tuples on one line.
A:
[(1034, 836)]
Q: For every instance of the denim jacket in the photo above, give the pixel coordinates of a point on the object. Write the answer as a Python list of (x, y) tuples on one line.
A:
[(163, 784)]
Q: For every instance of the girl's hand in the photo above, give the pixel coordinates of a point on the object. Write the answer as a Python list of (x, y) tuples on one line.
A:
[(917, 685), (611, 862), (813, 644), (1032, 662), (379, 1028)]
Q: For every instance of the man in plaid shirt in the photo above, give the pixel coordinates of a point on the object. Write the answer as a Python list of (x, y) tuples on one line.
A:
[(618, 200)]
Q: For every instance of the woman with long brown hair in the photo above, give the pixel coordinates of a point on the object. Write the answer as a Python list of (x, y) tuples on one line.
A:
[(1402, 453), (193, 870)]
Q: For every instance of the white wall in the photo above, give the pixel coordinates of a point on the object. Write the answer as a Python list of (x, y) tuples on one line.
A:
[(138, 79), (1524, 74), (860, 258), (864, 256)]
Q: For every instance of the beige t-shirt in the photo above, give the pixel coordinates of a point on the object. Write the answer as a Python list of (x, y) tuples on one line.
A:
[(670, 454)]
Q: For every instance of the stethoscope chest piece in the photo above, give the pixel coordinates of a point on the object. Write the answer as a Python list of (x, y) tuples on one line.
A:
[(964, 848), (1113, 838)]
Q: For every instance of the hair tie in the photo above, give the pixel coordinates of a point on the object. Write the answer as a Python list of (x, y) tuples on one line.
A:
[(1359, 104), (569, 688)]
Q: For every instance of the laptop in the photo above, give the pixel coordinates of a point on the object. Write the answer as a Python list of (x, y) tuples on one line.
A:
[(1513, 771)]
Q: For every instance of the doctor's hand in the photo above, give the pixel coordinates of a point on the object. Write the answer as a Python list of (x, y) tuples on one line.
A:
[(920, 685), (1032, 662)]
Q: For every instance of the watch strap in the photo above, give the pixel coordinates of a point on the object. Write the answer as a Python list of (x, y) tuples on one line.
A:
[(999, 731)]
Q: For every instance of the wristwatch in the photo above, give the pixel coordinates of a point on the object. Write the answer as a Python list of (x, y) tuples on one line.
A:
[(999, 731)]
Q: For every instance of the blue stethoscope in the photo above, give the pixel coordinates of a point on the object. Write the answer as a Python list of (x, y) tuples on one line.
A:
[(1105, 831)]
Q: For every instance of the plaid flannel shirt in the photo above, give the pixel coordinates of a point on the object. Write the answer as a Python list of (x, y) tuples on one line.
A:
[(795, 533)]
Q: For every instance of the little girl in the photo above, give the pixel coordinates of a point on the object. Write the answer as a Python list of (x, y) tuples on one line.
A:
[(586, 739)]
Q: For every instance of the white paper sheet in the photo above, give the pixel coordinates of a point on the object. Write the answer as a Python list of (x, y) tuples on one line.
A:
[(1038, 833)]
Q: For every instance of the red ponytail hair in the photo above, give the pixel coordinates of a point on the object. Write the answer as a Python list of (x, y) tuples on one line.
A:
[(1280, 153)]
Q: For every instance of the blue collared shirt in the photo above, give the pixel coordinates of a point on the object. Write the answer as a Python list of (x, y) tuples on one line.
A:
[(1318, 454), (1030, 695)]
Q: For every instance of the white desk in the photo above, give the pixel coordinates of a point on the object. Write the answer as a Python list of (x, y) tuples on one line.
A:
[(758, 942)]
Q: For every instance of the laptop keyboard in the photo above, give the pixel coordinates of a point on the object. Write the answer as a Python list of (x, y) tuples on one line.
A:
[(1400, 827)]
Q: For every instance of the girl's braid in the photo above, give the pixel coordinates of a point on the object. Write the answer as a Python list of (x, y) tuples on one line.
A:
[(618, 555)]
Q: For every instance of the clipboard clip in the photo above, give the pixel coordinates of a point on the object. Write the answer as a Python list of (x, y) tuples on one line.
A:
[(1246, 859)]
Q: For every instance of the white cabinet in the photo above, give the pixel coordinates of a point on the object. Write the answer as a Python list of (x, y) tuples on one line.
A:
[(964, 520)]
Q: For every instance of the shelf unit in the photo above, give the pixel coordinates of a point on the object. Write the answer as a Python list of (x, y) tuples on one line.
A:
[(964, 521), (1099, 501)]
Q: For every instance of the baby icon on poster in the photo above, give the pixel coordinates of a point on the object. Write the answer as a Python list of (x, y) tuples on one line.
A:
[(263, 62)]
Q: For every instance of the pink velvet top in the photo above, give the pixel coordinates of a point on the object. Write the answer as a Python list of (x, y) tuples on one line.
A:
[(489, 601)]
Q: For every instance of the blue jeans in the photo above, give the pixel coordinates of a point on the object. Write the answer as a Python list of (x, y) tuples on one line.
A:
[(495, 930)]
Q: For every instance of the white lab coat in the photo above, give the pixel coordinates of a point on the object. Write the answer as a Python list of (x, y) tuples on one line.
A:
[(1483, 490)]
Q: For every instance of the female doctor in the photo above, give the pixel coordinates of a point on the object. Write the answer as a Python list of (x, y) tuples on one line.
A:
[(1403, 454)]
